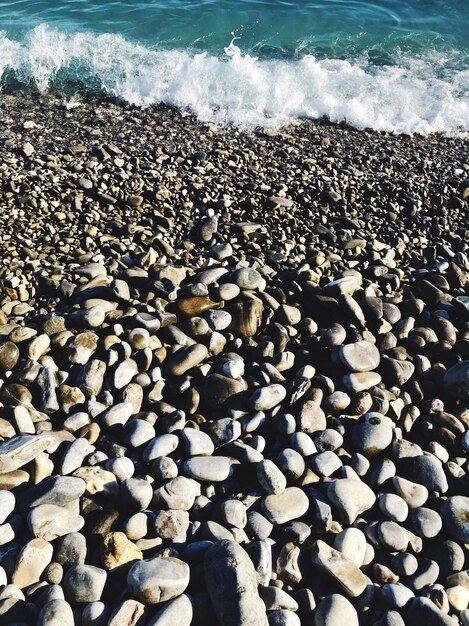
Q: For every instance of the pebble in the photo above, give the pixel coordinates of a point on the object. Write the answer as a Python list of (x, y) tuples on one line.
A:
[(361, 356), (232, 585), (158, 579), (350, 497), (84, 583), (267, 398), (344, 573), (216, 388), (455, 516), (335, 610), (286, 506)]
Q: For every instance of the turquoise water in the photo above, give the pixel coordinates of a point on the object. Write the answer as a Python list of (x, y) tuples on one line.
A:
[(393, 65)]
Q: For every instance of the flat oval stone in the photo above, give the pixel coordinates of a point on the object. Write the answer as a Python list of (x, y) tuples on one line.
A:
[(208, 468), (267, 398), (186, 358), (393, 537), (286, 506), (158, 579), (360, 356)]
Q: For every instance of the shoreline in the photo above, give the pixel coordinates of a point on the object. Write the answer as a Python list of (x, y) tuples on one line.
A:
[(234, 371)]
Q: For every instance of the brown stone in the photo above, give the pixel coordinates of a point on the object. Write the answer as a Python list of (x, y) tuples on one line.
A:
[(118, 549)]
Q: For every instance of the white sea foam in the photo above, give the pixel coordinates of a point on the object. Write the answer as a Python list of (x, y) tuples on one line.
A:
[(414, 96)]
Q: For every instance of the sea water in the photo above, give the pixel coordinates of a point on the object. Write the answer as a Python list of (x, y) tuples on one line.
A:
[(392, 65)]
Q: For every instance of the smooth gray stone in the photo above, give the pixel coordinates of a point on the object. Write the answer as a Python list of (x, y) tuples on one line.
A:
[(178, 493), (155, 580), (456, 380), (160, 446), (426, 522), (361, 356), (275, 598), (246, 278), (335, 610), (393, 506), (404, 564), (177, 612), (291, 463), (56, 613), (426, 574), (223, 431), (127, 613), (84, 583), (326, 463), (171, 524), (47, 383), (286, 506), (49, 521), (396, 595), (232, 585), (208, 468), (372, 434), (266, 398), (426, 470), (271, 479), (233, 513), (423, 610), (455, 514), (95, 614), (258, 526), (282, 617), (137, 432), (7, 504), (393, 537), (58, 490), (350, 497), (196, 442), (71, 550), (135, 494)]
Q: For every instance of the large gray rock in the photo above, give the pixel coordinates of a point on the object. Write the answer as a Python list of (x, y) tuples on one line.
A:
[(159, 579), (48, 521), (455, 514), (351, 498), (56, 613), (84, 583), (361, 356), (232, 585), (456, 380), (283, 507), (335, 610), (177, 612)]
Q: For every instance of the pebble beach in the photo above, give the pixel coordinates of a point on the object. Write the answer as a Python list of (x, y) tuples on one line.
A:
[(234, 371)]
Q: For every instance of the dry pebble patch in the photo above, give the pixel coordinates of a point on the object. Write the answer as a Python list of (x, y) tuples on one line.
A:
[(233, 372)]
